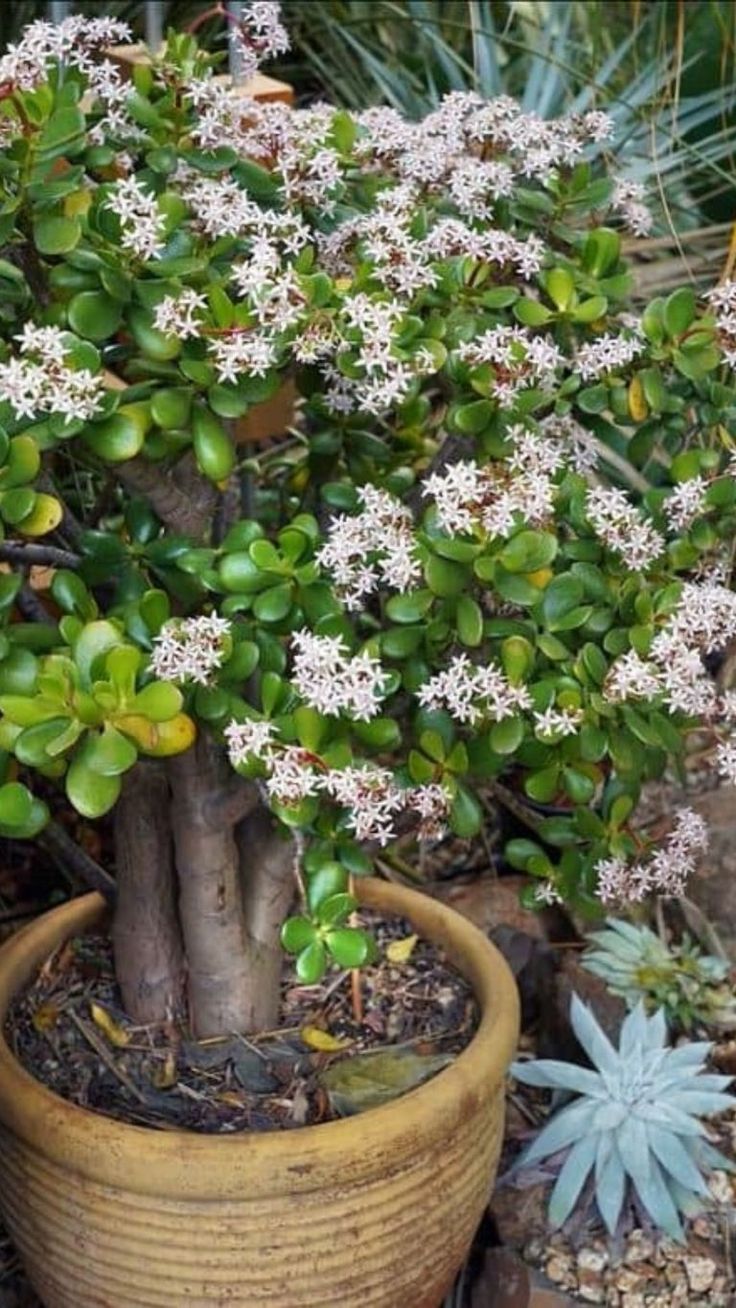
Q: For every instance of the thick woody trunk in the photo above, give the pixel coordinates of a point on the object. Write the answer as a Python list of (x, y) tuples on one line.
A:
[(149, 959), (183, 500), (266, 860), (220, 977), (234, 872)]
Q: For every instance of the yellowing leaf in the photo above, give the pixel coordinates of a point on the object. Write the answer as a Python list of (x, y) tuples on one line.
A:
[(541, 578), (45, 1018), (400, 951), (78, 202), (322, 1041), (138, 728), (172, 737), (45, 515), (638, 407), (165, 1074), (115, 1033)]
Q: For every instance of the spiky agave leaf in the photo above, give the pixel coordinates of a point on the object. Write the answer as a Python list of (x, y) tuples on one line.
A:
[(634, 1121)]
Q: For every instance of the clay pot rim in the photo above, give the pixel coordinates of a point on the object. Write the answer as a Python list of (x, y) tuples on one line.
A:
[(205, 1167)]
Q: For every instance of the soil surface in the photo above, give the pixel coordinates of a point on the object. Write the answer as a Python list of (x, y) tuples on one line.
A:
[(341, 1046)]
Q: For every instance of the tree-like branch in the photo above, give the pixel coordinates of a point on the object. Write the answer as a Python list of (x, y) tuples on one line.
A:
[(31, 608), (452, 450), (46, 555), (57, 842), (184, 505)]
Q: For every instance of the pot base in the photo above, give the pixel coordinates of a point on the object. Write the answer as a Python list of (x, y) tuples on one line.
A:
[(375, 1211)]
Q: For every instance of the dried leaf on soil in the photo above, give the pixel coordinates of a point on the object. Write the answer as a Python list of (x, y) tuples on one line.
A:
[(45, 1018), (115, 1033), (369, 1080), (400, 951), (323, 1041)]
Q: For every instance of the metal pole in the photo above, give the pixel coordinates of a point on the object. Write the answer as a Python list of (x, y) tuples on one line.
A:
[(58, 10), (235, 57), (154, 24)]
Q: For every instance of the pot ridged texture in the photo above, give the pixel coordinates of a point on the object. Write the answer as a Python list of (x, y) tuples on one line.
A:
[(375, 1211)]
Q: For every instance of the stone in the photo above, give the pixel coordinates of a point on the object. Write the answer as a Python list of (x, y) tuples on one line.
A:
[(631, 1280), (700, 1274), (639, 1248), (556, 1038), (721, 1187), (559, 1268), (632, 1299), (543, 1298), (520, 1213), (592, 1260), (503, 1281), (592, 1291), (533, 964), (533, 1250), (252, 1072), (490, 902), (211, 1053)]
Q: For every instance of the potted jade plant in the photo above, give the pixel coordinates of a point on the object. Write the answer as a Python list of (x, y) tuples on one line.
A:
[(493, 555)]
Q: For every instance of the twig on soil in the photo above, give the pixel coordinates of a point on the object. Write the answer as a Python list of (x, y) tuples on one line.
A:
[(522, 1108), (69, 855), (105, 1057), (356, 984)]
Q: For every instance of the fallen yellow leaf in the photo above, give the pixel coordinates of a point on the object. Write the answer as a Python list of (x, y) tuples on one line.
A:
[(400, 951), (322, 1041), (165, 1074), (116, 1034), (45, 1017), (231, 1099)]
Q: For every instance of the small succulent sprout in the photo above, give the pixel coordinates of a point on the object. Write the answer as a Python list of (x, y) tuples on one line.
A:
[(691, 987), (326, 935), (635, 1121)]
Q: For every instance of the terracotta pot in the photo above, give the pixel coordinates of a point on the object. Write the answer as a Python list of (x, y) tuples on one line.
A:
[(374, 1211)]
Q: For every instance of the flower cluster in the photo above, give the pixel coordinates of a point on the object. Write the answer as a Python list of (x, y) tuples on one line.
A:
[(622, 528), (370, 795), (258, 34), (628, 198), (472, 693), (673, 671), (370, 548), (469, 157), (178, 315), (41, 381), (554, 724), (608, 352), (496, 497), (666, 872), (191, 649), (73, 42), (141, 221), (330, 681), (722, 299), (519, 360)]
